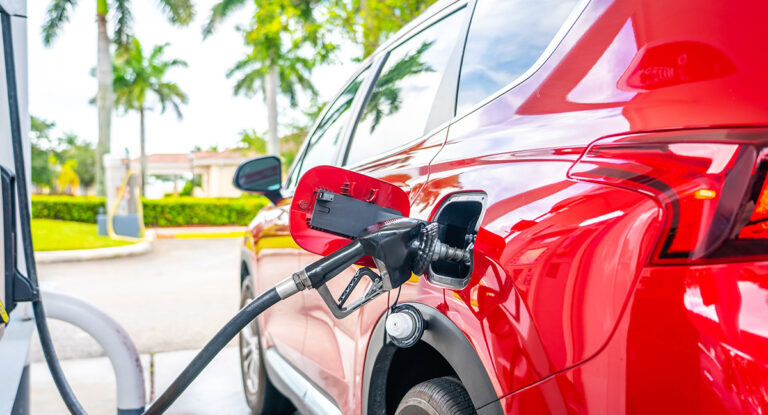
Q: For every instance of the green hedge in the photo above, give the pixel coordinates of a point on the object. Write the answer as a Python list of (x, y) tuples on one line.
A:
[(74, 208), (180, 211), (171, 211)]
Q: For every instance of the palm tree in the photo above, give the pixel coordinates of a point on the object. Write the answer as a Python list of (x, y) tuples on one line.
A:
[(368, 22), (137, 76), (178, 12), (385, 97), (277, 32)]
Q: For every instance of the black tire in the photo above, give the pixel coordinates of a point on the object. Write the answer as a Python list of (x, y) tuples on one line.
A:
[(262, 397), (440, 396)]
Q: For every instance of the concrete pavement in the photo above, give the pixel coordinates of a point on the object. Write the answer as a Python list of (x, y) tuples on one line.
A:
[(174, 298), (171, 301), (218, 390)]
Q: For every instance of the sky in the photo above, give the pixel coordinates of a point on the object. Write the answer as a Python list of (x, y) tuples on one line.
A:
[(60, 81)]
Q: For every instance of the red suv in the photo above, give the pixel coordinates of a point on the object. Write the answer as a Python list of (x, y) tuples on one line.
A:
[(611, 156)]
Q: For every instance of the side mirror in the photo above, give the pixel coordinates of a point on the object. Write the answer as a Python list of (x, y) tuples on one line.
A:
[(260, 175), (331, 206)]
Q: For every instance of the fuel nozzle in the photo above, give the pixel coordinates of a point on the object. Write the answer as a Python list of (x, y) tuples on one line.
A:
[(429, 249), (400, 247)]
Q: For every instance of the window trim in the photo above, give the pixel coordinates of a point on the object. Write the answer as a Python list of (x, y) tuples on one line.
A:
[(390, 45), (297, 162), (547, 53), (377, 60), (358, 106)]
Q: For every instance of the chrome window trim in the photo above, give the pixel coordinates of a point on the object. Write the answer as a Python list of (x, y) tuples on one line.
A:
[(357, 107), (392, 43), (367, 63), (545, 55), (417, 25), (375, 61)]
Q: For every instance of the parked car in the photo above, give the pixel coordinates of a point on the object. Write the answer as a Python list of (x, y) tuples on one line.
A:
[(612, 155)]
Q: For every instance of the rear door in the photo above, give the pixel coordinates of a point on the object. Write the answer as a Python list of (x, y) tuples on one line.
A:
[(394, 140)]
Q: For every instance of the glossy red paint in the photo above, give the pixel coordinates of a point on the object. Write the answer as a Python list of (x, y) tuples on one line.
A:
[(571, 308), (702, 179), (338, 365), (693, 338), (273, 255), (345, 182)]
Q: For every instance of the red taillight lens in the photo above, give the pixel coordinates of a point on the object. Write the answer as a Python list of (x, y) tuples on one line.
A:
[(705, 187)]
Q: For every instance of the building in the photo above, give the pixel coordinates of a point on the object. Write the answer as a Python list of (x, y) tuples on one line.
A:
[(214, 170)]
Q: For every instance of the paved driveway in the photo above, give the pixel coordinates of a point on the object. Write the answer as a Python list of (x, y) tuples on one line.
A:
[(174, 298), (171, 301)]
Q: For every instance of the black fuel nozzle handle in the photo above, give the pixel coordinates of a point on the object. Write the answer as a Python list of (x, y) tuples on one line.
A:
[(400, 248), (322, 270), (390, 243)]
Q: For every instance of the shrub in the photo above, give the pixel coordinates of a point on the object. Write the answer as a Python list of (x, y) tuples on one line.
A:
[(171, 211), (72, 208), (180, 211)]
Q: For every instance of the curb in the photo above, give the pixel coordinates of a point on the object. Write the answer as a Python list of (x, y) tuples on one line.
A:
[(201, 233), (212, 235), (139, 248)]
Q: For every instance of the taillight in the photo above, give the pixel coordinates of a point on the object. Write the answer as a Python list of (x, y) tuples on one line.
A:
[(710, 184)]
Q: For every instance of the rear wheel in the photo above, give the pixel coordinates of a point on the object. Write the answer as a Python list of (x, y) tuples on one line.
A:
[(440, 396), (261, 395)]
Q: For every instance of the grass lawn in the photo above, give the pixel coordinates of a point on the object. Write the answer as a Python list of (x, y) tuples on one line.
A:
[(58, 235)]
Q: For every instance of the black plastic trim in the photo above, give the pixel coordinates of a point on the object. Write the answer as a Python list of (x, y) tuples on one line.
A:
[(436, 276), (274, 196), (377, 65), (9, 236), (444, 104), (445, 337)]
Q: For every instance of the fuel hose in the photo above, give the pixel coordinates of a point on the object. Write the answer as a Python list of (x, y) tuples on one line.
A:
[(214, 346)]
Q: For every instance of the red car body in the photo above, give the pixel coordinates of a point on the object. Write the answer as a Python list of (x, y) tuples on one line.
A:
[(621, 264)]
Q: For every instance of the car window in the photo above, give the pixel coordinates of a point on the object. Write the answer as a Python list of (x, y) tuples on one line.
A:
[(326, 138), (506, 37), (401, 99)]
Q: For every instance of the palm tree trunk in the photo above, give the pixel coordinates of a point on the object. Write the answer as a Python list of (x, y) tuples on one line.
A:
[(143, 152), (104, 99), (273, 141)]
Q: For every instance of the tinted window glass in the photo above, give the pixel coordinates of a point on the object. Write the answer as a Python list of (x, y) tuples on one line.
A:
[(505, 38), (401, 100), (326, 138)]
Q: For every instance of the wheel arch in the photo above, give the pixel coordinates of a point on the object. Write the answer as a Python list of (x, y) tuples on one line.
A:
[(441, 336)]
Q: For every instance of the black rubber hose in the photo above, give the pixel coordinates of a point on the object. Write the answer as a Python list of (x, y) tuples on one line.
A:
[(214, 346), (53, 361)]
